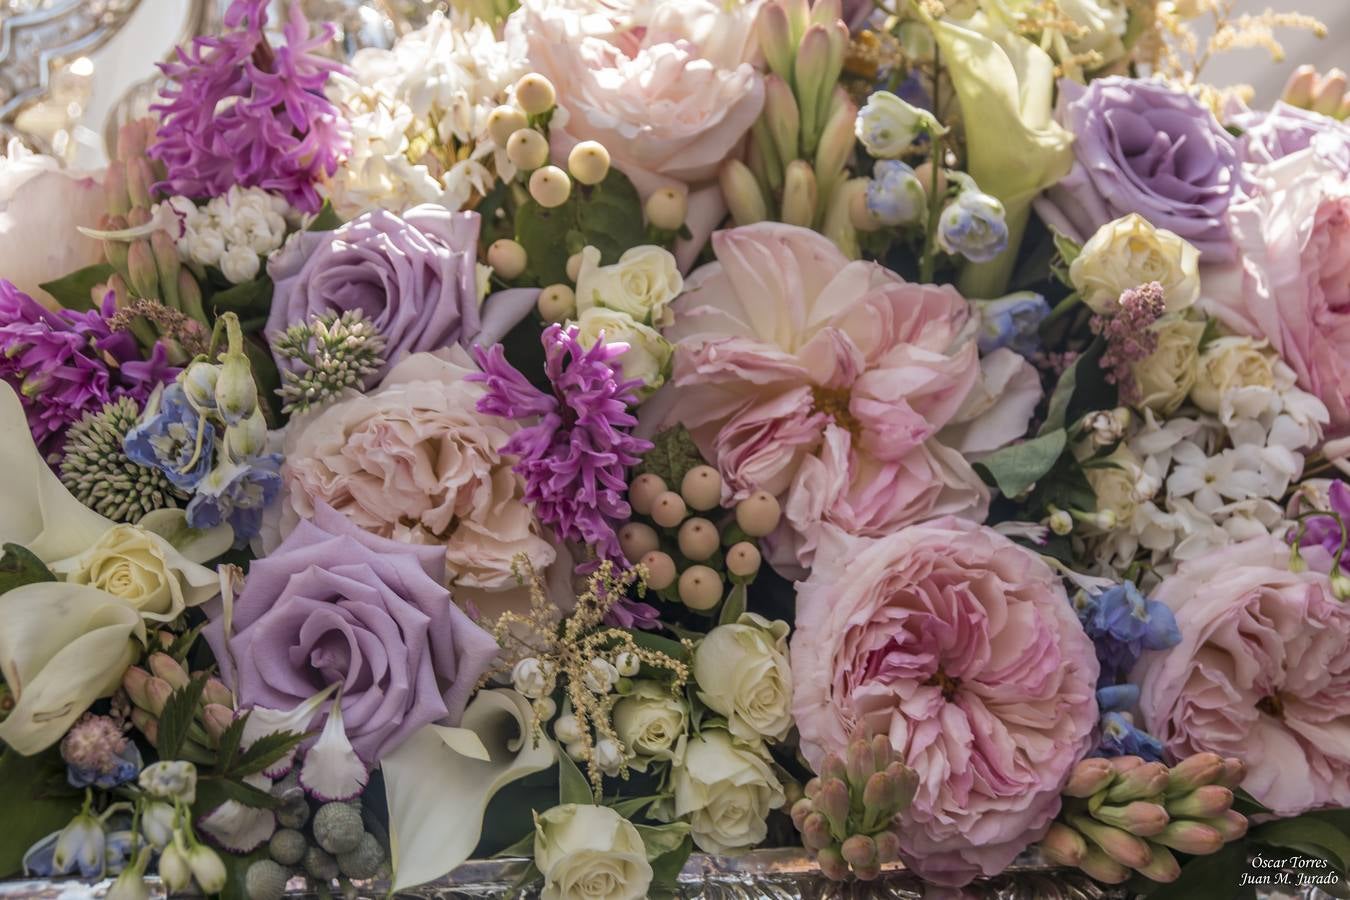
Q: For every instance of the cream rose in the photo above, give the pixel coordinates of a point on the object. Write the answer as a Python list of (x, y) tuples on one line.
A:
[(1168, 374), (1230, 364), (587, 852), (143, 569), (647, 358), (725, 789), (642, 283), (1128, 252), (1114, 480), (742, 673), (62, 647), (650, 721)]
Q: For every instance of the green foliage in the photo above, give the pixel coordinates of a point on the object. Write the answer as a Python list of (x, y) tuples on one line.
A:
[(75, 291), (18, 567), (1212, 877), (263, 752), (326, 220), (572, 785), (248, 300), (607, 216), (668, 848), (733, 606), (1307, 835), (672, 455), (35, 800), (674, 649), (1017, 467), (179, 712)]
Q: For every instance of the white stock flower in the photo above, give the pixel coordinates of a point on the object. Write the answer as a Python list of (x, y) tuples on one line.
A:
[(587, 852), (240, 264)]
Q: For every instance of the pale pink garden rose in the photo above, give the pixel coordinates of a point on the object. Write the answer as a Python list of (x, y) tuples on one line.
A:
[(963, 648), (1262, 673), (415, 461), (826, 382), (1291, 285), (41, 205), (667, 87)]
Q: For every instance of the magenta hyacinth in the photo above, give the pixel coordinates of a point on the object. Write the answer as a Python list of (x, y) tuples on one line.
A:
[(64, 364), (240, 111)]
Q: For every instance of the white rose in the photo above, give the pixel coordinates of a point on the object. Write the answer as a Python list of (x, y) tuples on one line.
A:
[(62, 647), (642, 283), (143, 569), (1229, 364), (742, 673), (887, 125), (1166, 376), (240, 264), (648, 355), (1128, 252), (588, 852), (725, 790), (650, 720)]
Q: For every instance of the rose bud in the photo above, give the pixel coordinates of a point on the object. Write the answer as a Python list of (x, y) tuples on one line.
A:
[(1204, 802), (1191, 837)]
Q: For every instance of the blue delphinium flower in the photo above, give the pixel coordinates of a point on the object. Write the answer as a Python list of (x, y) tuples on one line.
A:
[(79, 847), (894, 194), (174, 438), (236, 491), (1120, 737), (973, 226), (1123, 624), (1013, 321)]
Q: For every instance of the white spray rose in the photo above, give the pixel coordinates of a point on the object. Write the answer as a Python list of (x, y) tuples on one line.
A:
[(1230, 364), (742, 673), (143, 569), (587, 852), (642, 283), (1167, 375), (1115, 482), (726, 789), (1129, 252), (650, 721), (648, 356)]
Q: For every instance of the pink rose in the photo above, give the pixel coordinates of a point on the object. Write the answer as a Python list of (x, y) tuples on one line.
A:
[(1262, 673), (1292, 285), (962, 647), (826, 382), (415, 461), (667, 87)]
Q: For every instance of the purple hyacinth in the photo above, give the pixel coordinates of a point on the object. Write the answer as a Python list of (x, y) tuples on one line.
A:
[(240, 111), (64, 364)]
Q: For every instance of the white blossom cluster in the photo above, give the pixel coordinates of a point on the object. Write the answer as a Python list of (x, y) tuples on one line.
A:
[(418, 114), (1185, 486), (233, 232)]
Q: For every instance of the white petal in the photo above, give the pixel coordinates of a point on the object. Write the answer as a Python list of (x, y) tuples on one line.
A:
[(332, 770), (239, 828), (262, 721)]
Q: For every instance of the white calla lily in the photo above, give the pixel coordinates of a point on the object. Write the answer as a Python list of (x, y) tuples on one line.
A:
[(62, 647)]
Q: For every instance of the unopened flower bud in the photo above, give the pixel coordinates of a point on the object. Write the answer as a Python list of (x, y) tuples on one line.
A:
[(1140, 818), (1234, 771), (879, 793), (147, 725), (236, 394), (1143, 781), (527, 149), (157, 692), (535, 94), (507, 258), (812, 787), (833, 801), (1089, 777), (743, 559), (207, 869), (859, 851), (799, 194), (1193, 771), (1330, 89), (831, 862), (1120, 845), (858, 761), (550, 186), (1060, 522), (134, 681), (1189, 836), (1298, 90), (1163, 867), (140, 183), (174, 870), (627, 664), (167, 262), (215, 719), (505, 121), (698, 539), (557, 303), (573, 267), (661, 571), (637, 540), (115, 194), (1122, 764), (904, 784), (158, 821), (215, 691), (800, 810), (1205, 802), (247, 439), (667, 208), (832, 766), (1102, 867), (888, 846), (1230, 826), (567, 729), (1340, 585), (741, 192), (142, 271), (1063, 845), (588, 162), (816, 832), (758, 515), (199, 384), (700, 588)]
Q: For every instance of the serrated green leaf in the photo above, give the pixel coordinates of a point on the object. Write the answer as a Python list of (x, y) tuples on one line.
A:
[(182, 644), (734, 605), (573, 787), (75, 291), (179, 712), (18, 566), (265, 751), (1018, 467), (247, 794), (230, 739)]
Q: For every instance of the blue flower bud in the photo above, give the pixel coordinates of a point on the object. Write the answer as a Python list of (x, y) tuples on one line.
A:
[(1013, 321), (973, 226), (894, 195)]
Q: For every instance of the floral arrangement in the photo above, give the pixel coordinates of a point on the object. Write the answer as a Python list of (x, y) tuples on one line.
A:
[(913, 431)]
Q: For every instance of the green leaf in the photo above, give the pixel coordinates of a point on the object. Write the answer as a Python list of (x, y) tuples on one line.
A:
[(18, 567), (265, 751), (573, 787), (326, 220), (1212, 332), (734, 606), (1068, 248), (632, 806), (182, 644), (674, 649), (1207, 877), (666, 867), (179, 711), (1059, 401), (247, 794), (230, 740), (521, 849), (35, 800), (662, 839), (607, 216), (75, 291), (248, 299), (672, 455), (1307, 835), (1249, 806), (1016, 468)]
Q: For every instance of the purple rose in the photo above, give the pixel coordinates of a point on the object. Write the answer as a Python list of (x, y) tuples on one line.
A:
[(335, 604), (1144, 148), (414, 276), (1285, 130)]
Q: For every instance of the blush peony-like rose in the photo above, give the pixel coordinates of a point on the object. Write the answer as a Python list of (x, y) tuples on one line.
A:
[(415, 461), (1262, 672), (826, 382), (962, 647)]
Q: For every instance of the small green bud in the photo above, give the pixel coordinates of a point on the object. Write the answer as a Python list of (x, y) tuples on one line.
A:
[(236, 394)]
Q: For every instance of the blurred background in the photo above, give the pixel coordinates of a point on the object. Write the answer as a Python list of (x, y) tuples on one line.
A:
[(96, 82)]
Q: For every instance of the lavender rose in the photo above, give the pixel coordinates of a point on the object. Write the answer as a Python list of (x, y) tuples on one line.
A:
[(335, 604), (414, 276), (1144, 148)]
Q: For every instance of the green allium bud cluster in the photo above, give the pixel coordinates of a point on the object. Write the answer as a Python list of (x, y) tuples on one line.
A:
[(1124, 815), (847, 818), (333, 353)]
